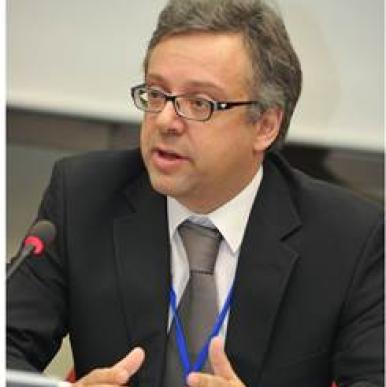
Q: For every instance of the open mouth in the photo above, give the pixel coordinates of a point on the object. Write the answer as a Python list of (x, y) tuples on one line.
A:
[(168, 155), (167, 161)]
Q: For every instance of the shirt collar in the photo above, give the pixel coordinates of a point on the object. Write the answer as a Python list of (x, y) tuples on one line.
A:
[(230, 219)]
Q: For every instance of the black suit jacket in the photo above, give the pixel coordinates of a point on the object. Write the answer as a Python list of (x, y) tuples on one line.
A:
[(307, 305)]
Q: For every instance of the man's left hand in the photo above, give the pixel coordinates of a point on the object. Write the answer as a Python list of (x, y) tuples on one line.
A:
[(223, 376)]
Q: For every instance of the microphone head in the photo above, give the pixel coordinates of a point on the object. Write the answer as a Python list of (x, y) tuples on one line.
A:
[(40, 235)]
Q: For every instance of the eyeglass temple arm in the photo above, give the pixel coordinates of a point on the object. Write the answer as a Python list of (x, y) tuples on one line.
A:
[(229, 105)]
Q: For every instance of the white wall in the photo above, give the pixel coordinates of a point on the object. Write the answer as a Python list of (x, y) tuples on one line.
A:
[(81, 57)]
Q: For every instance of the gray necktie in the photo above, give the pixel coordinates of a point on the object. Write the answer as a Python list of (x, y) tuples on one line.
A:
[(198, 308)]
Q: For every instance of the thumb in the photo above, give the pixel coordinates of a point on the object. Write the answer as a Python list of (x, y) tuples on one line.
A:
[(219, 360), (131, 362)]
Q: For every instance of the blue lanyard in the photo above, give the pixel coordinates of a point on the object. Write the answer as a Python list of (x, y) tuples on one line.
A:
[(180, 337)]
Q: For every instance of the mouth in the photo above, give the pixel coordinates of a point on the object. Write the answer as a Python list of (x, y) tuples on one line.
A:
[(167, 160), (169, 155)]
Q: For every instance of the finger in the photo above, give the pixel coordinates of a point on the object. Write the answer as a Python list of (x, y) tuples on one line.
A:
[(219, 360), (199, 379), (132, 362), (119, 374), (104, 376), (96, 385)]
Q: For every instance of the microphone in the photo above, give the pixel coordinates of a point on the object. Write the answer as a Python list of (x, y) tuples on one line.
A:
[(40, 235)]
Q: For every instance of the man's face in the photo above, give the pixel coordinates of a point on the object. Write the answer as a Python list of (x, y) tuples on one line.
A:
[(201, 164)]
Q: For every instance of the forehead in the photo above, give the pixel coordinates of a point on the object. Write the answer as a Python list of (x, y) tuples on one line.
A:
[(213, 60)]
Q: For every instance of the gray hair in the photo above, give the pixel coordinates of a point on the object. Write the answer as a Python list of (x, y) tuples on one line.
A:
[(277, 76)]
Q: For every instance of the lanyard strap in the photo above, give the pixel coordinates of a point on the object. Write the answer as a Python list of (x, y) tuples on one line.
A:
[(180, 337)]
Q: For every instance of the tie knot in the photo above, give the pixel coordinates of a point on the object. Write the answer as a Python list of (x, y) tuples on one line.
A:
[(201, 245)]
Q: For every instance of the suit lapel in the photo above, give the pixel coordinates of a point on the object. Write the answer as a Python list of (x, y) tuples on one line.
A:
[(142, 255), (263, 272), (143, 265)]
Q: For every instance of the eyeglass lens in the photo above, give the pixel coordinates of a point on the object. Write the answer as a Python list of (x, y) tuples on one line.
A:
[(187, 106)]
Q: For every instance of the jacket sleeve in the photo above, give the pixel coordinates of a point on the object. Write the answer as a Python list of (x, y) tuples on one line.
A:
[(358, 358), (37, 293)]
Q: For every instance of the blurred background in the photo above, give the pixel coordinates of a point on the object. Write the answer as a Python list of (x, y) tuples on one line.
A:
[(70, 65)]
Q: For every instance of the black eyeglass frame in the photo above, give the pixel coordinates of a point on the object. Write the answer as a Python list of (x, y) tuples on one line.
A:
[(214, 105)]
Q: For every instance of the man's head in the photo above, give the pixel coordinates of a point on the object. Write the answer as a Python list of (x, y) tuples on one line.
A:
[(201, 52), (276, 77)]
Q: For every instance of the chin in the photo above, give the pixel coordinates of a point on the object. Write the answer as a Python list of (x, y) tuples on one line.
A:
[(163, 185)]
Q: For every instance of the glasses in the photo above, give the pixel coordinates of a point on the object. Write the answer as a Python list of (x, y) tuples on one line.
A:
[(187, 106)]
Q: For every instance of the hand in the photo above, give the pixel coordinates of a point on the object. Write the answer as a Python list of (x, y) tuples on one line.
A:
[(223, 376), (117, 375)]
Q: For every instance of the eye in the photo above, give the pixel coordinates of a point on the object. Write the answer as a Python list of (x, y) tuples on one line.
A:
[(154, 94), (199, 104)]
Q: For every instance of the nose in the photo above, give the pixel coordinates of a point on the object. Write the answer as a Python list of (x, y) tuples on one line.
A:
[(168, 121)]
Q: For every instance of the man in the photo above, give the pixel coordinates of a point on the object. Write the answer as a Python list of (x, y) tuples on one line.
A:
[(298, 272)]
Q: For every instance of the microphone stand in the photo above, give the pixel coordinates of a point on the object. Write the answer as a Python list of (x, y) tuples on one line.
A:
[(16, 261)]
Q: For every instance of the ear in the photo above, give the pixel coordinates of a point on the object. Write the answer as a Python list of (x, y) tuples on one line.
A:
[(267, 128)]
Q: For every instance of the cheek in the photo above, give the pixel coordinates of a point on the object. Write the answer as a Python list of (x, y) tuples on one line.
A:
[(231, 152), (145, 134), (212, 157), (226, 144)]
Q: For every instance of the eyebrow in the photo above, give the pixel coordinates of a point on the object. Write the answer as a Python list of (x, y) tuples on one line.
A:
[(196, 84)]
